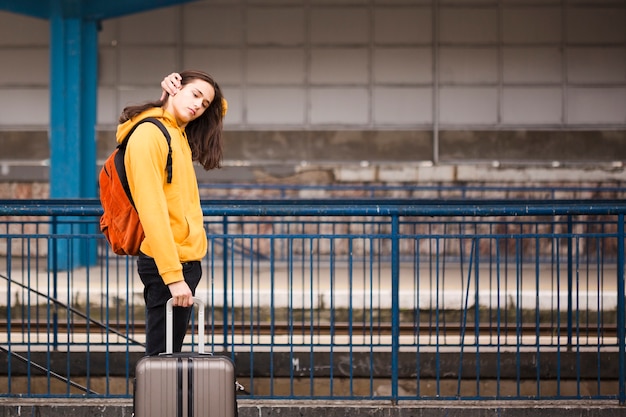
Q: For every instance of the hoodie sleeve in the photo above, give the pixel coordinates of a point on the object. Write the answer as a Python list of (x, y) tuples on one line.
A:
[(145, 161)]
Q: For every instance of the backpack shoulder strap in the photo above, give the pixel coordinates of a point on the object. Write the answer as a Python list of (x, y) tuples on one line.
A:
[(122, 147)]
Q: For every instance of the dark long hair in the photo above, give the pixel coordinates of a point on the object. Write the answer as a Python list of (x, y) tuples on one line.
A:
[(204, 133)]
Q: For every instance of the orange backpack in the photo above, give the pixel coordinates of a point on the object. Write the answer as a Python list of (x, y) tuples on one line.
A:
[(120, 222)]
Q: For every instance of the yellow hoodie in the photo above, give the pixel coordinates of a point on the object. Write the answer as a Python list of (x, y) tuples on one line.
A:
[(170, 214)]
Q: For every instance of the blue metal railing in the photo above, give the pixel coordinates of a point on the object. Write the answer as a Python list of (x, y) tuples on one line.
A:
[(342, 299)]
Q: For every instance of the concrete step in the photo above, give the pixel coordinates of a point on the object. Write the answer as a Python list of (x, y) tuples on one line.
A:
[(10, 407)]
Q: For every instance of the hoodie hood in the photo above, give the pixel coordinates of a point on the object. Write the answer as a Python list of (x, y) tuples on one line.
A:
[(124, 128)]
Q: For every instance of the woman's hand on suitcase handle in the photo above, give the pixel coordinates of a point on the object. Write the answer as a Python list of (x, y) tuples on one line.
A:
[(181, 294)]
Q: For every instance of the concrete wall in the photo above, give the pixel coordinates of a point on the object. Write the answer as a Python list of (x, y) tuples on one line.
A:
[(353, 63)]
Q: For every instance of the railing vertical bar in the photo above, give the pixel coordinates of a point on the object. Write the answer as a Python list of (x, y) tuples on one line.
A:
[(272, 312), (9, 324), (127, 326), (518, 315), (351, 315), (253, 317), (577, 309), (211, 287), (290, 313), (88, 324), (498, 320), (371, 314), (441, 277), (68, 319), (620, 309), (537, 315), (418, 317), (395, 305), (570, 282), (55, 269), (28, 316), (557, 255), (225, 256), (490, 308), (599, 308), (317, 275), (332, 317), (49, 320), (477, 312), (229, 289), (312, 308), (437, 324)]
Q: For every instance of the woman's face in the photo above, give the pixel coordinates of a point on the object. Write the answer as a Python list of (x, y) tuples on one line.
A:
[(191, 101)]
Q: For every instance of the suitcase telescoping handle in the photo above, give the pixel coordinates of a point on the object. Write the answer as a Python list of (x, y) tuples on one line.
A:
[(169, 325)]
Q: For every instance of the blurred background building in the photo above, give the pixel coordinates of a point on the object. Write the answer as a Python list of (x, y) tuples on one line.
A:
[(367, 92)]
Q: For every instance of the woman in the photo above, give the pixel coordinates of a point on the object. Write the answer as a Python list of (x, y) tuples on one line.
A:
[(170, 213)]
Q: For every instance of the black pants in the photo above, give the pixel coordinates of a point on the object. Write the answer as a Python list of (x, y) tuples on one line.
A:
[(156, 294)]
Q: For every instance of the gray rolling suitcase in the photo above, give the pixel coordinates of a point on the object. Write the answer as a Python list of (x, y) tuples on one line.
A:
[(185, 384)]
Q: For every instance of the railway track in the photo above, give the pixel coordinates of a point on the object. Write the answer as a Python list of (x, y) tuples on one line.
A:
[(339, 328)]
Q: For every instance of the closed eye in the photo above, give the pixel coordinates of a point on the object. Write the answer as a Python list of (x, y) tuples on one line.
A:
[(198, 94)]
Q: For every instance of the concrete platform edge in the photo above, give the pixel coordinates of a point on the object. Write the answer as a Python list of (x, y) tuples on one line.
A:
[(17, 407)]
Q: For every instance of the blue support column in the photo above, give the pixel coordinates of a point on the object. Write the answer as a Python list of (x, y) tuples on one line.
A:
[(73, 92)]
